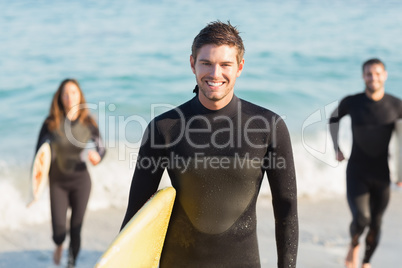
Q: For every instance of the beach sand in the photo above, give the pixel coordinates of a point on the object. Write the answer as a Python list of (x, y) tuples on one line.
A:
[(323, 236)]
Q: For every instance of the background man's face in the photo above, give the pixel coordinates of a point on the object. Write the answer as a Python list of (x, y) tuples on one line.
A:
[(374, 77)]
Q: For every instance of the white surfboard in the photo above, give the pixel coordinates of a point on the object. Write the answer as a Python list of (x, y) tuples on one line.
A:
[(40, 172)]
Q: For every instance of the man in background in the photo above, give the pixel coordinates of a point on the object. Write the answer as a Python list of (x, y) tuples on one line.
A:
[(373, 114)]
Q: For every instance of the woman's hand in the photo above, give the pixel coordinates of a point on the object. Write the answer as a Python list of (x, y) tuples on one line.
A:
[(339, 156), (94, 157)]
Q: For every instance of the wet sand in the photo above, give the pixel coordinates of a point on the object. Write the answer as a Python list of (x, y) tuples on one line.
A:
[(323, 236)]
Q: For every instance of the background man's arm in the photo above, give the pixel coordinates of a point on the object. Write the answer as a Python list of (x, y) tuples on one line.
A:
[(336, 116)]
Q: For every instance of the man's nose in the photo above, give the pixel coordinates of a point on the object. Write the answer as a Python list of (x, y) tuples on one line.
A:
[(216, 70)]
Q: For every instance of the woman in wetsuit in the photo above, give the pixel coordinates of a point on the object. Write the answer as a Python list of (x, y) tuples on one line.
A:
[(68, 128)]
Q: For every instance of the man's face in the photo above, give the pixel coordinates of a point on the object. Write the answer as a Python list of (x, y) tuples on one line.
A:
[(374, 77), (216, 70)]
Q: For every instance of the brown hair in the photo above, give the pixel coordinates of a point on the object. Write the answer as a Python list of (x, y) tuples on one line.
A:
[(372, 62), (218, 33), (57, 111)]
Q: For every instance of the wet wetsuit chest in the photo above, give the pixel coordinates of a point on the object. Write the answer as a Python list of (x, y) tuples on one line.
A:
[(215, 162), (220, 174)]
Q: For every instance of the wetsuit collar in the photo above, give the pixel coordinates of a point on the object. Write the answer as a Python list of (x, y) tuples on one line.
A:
[(229, 110), (371, 100), (72, 122)]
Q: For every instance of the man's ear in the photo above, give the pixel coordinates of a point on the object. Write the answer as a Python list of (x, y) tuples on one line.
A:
[(192, 63), (241, 65)]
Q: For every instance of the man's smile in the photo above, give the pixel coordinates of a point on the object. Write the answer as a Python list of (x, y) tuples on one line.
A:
[(215, 84)]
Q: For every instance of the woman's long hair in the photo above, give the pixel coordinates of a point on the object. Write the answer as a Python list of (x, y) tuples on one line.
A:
[(57, 112)]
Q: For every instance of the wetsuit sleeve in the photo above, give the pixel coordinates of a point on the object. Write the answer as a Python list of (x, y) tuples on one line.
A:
[(282, 181), (336, 116), (97, 139), (148, 172), (44, 135)]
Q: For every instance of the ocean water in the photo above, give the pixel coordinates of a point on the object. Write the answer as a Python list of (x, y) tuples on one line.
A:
[(132, 61)]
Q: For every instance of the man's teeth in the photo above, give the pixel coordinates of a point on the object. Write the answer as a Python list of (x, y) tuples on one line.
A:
[(215, 84)]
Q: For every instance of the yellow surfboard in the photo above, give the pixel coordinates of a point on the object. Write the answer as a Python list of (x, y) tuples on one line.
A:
[(140, 242), (40, 172)]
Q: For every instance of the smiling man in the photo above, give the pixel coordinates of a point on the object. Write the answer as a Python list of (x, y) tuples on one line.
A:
[(228, 144), (216, 69), (373, 114)]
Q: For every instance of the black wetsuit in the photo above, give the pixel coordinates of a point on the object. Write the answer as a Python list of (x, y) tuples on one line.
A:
[(367, 171), (216, 161), (69, 180)]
